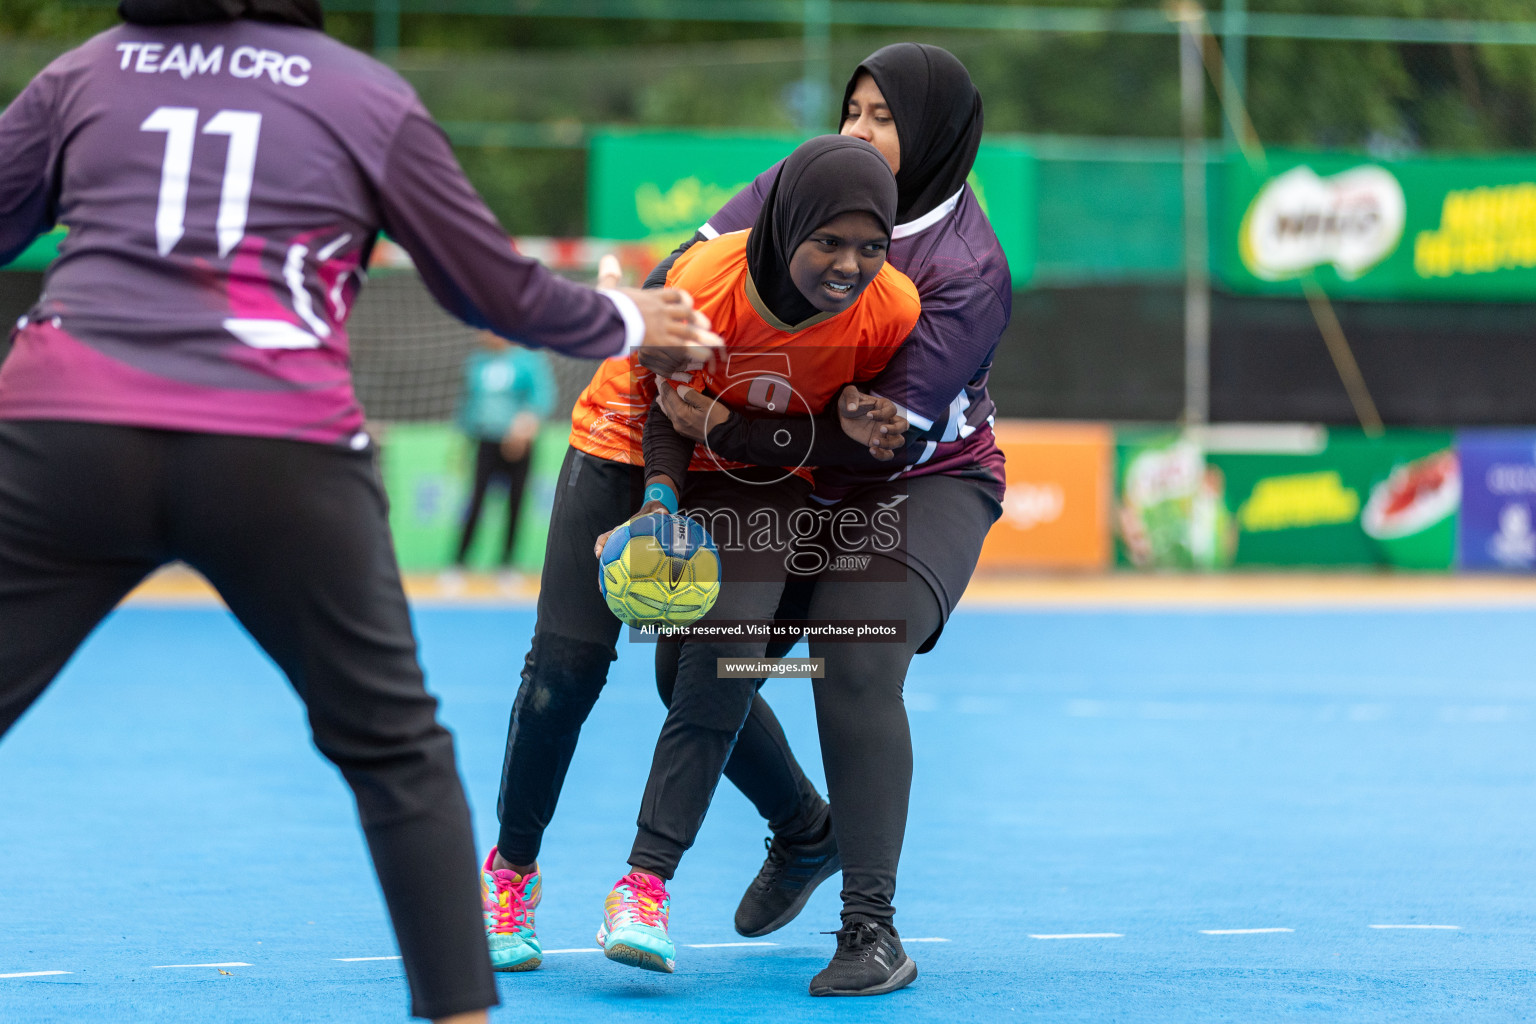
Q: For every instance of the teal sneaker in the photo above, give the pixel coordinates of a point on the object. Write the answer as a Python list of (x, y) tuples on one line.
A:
[(508, 899), (634, 929)]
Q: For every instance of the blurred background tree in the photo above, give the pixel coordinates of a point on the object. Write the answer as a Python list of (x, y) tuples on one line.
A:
[(519, 95)]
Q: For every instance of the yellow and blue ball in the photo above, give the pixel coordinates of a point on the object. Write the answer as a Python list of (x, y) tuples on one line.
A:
[(659, 569)]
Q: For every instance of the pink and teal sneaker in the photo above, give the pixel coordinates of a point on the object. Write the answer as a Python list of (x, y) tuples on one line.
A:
[(508, 899), (634, 929)]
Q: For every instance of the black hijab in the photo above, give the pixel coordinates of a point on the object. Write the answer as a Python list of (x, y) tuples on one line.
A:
[(825, 177), (303, 13), (938, 121)]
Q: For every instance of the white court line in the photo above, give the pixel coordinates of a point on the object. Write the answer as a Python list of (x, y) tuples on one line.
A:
[(361, 959), (583, 949), (1243, 931), (727, 945), (162, 967), (1082, 935), (923, 940), (31, 974), (1430, 927)]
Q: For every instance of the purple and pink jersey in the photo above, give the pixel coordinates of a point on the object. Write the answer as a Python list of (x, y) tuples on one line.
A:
[(939, 375), (223, 185)]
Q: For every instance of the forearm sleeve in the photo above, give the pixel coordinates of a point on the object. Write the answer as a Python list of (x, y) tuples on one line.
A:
[(665, 450), (468, 264)]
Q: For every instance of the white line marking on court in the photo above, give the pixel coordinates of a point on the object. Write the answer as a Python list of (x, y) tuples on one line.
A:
[(583, 949), (1243, 931), (1082, 935), (727, 945), (924, 940), (1427, 927), (32, 974), (361, 959), (162, 967)]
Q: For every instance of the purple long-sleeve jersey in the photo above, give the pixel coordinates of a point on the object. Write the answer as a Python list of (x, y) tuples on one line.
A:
[(939, 375), (223, 185)]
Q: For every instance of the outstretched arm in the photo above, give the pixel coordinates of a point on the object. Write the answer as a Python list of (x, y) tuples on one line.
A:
[(470, 267)]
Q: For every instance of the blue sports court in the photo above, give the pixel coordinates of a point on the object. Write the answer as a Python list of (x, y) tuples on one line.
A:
[(1154, 813)]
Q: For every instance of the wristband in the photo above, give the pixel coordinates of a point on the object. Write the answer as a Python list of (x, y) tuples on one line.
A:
[(662, 493)]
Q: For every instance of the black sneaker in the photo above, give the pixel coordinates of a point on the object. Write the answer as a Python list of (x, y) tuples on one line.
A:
[(786, 880), (869, 962)]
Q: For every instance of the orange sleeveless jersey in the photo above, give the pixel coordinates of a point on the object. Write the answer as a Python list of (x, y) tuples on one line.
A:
[(767, 367)]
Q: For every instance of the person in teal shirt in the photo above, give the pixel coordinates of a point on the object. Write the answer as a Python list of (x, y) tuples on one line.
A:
[(508, 391)]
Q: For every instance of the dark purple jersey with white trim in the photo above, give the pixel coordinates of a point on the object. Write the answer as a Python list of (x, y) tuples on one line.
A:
[(939, 375), (222, 185)]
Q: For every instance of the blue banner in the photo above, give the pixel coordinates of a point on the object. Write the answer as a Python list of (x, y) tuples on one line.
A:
[(1498, 509)]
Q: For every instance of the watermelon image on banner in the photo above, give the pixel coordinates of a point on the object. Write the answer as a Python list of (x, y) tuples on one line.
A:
[(1411, 514)]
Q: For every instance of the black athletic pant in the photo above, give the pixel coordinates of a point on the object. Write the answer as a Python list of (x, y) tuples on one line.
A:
[(866, 743), (295, 538), (866, 746), (491, 462), (574, 641), (709, 707)]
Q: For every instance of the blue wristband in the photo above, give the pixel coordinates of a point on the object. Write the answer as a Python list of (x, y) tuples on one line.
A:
[(662, 493)]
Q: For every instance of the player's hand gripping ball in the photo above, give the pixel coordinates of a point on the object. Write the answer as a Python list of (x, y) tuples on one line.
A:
[(659, 569)]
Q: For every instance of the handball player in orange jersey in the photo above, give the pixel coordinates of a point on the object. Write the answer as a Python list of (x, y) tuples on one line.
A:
[(804, 300), (811, 306), (917, 105)]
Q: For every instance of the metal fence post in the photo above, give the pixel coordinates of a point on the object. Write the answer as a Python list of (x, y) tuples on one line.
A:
[(1197, 275), (817, 21), (1234, 46), (386, 29)]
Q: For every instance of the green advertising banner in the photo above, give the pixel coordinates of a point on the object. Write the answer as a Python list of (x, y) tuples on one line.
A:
[(1448, 228), (1320, 498), (658, 187)]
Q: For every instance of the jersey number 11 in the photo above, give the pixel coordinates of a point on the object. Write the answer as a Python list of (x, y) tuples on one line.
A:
[(243, 127)]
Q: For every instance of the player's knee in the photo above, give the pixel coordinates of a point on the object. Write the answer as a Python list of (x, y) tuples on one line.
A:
[(392, 718), (390, 765), (720, 705), (562, 679), (866, 674)]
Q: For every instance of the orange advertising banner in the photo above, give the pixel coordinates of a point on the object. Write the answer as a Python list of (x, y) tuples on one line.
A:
[(1056, 511)]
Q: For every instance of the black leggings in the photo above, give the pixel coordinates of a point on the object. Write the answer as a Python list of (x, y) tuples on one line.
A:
[(708, 710), (866, 746), (574, 641), (294, 536), (491, 462)]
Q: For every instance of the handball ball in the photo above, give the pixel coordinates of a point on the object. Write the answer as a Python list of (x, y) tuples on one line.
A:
[(659, 569)]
